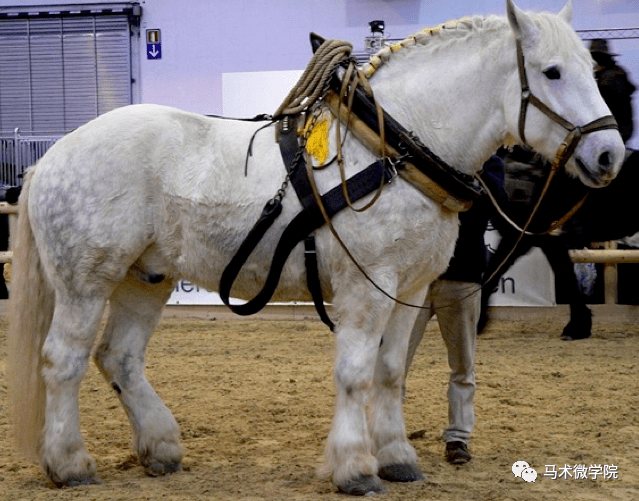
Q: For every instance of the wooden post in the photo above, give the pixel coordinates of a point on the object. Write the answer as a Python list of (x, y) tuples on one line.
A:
[(610, 277), (12, 211)]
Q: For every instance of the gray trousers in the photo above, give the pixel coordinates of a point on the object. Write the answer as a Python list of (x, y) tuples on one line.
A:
[(457, 315)]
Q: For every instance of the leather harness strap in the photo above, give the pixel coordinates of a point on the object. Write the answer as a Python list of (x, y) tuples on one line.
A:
[(316, 210), (307, 221), (293, 159), (410, 149)]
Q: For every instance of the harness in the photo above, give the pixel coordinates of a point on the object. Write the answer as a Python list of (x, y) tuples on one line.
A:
[(572, 139), (300, 227), (564, 152), (401, 152)]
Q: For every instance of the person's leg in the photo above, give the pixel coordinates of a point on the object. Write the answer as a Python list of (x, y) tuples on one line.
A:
[(419, 327), (457, 306)]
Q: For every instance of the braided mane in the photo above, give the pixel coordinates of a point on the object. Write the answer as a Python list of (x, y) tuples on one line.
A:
[(458, 28)]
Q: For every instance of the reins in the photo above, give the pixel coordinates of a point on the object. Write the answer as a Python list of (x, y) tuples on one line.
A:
[(563, 154), (396, 158), (565, 150), (303, 95)]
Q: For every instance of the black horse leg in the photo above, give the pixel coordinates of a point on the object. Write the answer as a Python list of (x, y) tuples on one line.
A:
[(499, 264), (4, 245), (580, 324)]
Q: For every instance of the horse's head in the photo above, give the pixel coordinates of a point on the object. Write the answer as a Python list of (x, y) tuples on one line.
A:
[(554, 99)]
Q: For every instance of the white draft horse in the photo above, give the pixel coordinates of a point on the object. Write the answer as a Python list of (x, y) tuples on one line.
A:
[(122, 207)]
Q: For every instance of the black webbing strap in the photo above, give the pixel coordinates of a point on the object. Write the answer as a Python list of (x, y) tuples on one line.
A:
[(293, 157), (313, 281), (307, 221)]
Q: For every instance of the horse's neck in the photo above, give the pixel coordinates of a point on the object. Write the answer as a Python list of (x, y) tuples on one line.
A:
[(453, 100)]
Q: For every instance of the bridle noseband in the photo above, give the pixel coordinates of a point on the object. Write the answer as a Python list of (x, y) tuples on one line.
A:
[(564, 152), (575, 132)]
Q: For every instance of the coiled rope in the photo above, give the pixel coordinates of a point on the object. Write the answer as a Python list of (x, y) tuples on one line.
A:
[(313, 81)]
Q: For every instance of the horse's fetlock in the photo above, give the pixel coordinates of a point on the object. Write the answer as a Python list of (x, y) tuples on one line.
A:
[(396, 452), (79, 468)]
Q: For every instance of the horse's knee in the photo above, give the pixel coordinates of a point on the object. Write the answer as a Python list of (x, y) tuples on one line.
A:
[(390, 372), (353, 379)]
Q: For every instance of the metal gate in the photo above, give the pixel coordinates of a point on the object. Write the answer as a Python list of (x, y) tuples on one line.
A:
[(19, 152)]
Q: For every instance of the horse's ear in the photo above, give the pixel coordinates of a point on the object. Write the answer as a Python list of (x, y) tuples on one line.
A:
[(316, 41), (566, 12), (522, 24)]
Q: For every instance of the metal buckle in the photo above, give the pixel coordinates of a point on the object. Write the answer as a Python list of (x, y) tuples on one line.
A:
[(286, 124), (391, 165)]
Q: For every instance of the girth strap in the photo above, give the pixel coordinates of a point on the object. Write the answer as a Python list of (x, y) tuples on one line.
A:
[(307, 221)]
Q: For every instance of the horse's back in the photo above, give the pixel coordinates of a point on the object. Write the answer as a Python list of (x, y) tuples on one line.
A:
[(150, 179), (94, 195)]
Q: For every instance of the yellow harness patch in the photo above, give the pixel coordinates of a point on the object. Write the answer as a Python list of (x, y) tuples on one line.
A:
[(317, 142)]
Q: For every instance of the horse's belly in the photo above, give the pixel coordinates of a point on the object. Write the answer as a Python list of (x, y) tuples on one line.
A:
[(199, 240), (415, 242)]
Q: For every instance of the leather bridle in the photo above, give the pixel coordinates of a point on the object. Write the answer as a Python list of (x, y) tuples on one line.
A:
[(575, 132), (564, 152)]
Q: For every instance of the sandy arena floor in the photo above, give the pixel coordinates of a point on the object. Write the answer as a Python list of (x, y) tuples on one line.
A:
[(254, 401)]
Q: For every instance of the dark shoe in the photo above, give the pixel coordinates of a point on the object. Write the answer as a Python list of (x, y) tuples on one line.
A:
[(457, 453)]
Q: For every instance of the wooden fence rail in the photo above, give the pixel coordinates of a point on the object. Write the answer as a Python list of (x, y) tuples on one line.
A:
[(609, 256)]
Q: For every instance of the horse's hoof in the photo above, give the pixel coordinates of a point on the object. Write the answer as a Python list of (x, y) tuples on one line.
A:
[(78, 481), (571, 333), (364, 485), (580, 325), (401, 473), (160, 469)]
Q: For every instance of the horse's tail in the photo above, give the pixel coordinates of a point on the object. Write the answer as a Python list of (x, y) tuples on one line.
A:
[(31, 302)]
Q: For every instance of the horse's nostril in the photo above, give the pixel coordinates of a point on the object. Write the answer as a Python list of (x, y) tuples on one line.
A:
[(605, 159)]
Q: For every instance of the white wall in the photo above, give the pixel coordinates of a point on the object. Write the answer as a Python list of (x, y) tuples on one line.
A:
[(204, 39), (211, 47)]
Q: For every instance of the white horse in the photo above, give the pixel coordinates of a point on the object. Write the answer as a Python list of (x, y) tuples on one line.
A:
[(122, 207)]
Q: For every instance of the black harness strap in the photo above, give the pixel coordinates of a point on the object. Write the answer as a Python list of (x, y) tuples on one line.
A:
[(307, 221), (313, 281), (293, 157), (411, 149)]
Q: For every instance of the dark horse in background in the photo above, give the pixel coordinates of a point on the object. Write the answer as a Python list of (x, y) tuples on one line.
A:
[(605, 215), (8, 194)]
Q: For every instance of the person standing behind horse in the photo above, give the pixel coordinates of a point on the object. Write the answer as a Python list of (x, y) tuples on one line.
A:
[(456, 299), (614, 86)]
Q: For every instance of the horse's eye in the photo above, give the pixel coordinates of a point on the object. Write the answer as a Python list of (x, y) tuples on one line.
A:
[(552, 73)]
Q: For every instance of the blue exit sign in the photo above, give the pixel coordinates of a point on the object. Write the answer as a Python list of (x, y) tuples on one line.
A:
[(153, 44)]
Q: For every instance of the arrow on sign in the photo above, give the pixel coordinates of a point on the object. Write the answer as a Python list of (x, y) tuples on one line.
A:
[(154, 51)]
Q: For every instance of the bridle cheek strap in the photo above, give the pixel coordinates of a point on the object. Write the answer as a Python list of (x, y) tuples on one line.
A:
[(575, 133)]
